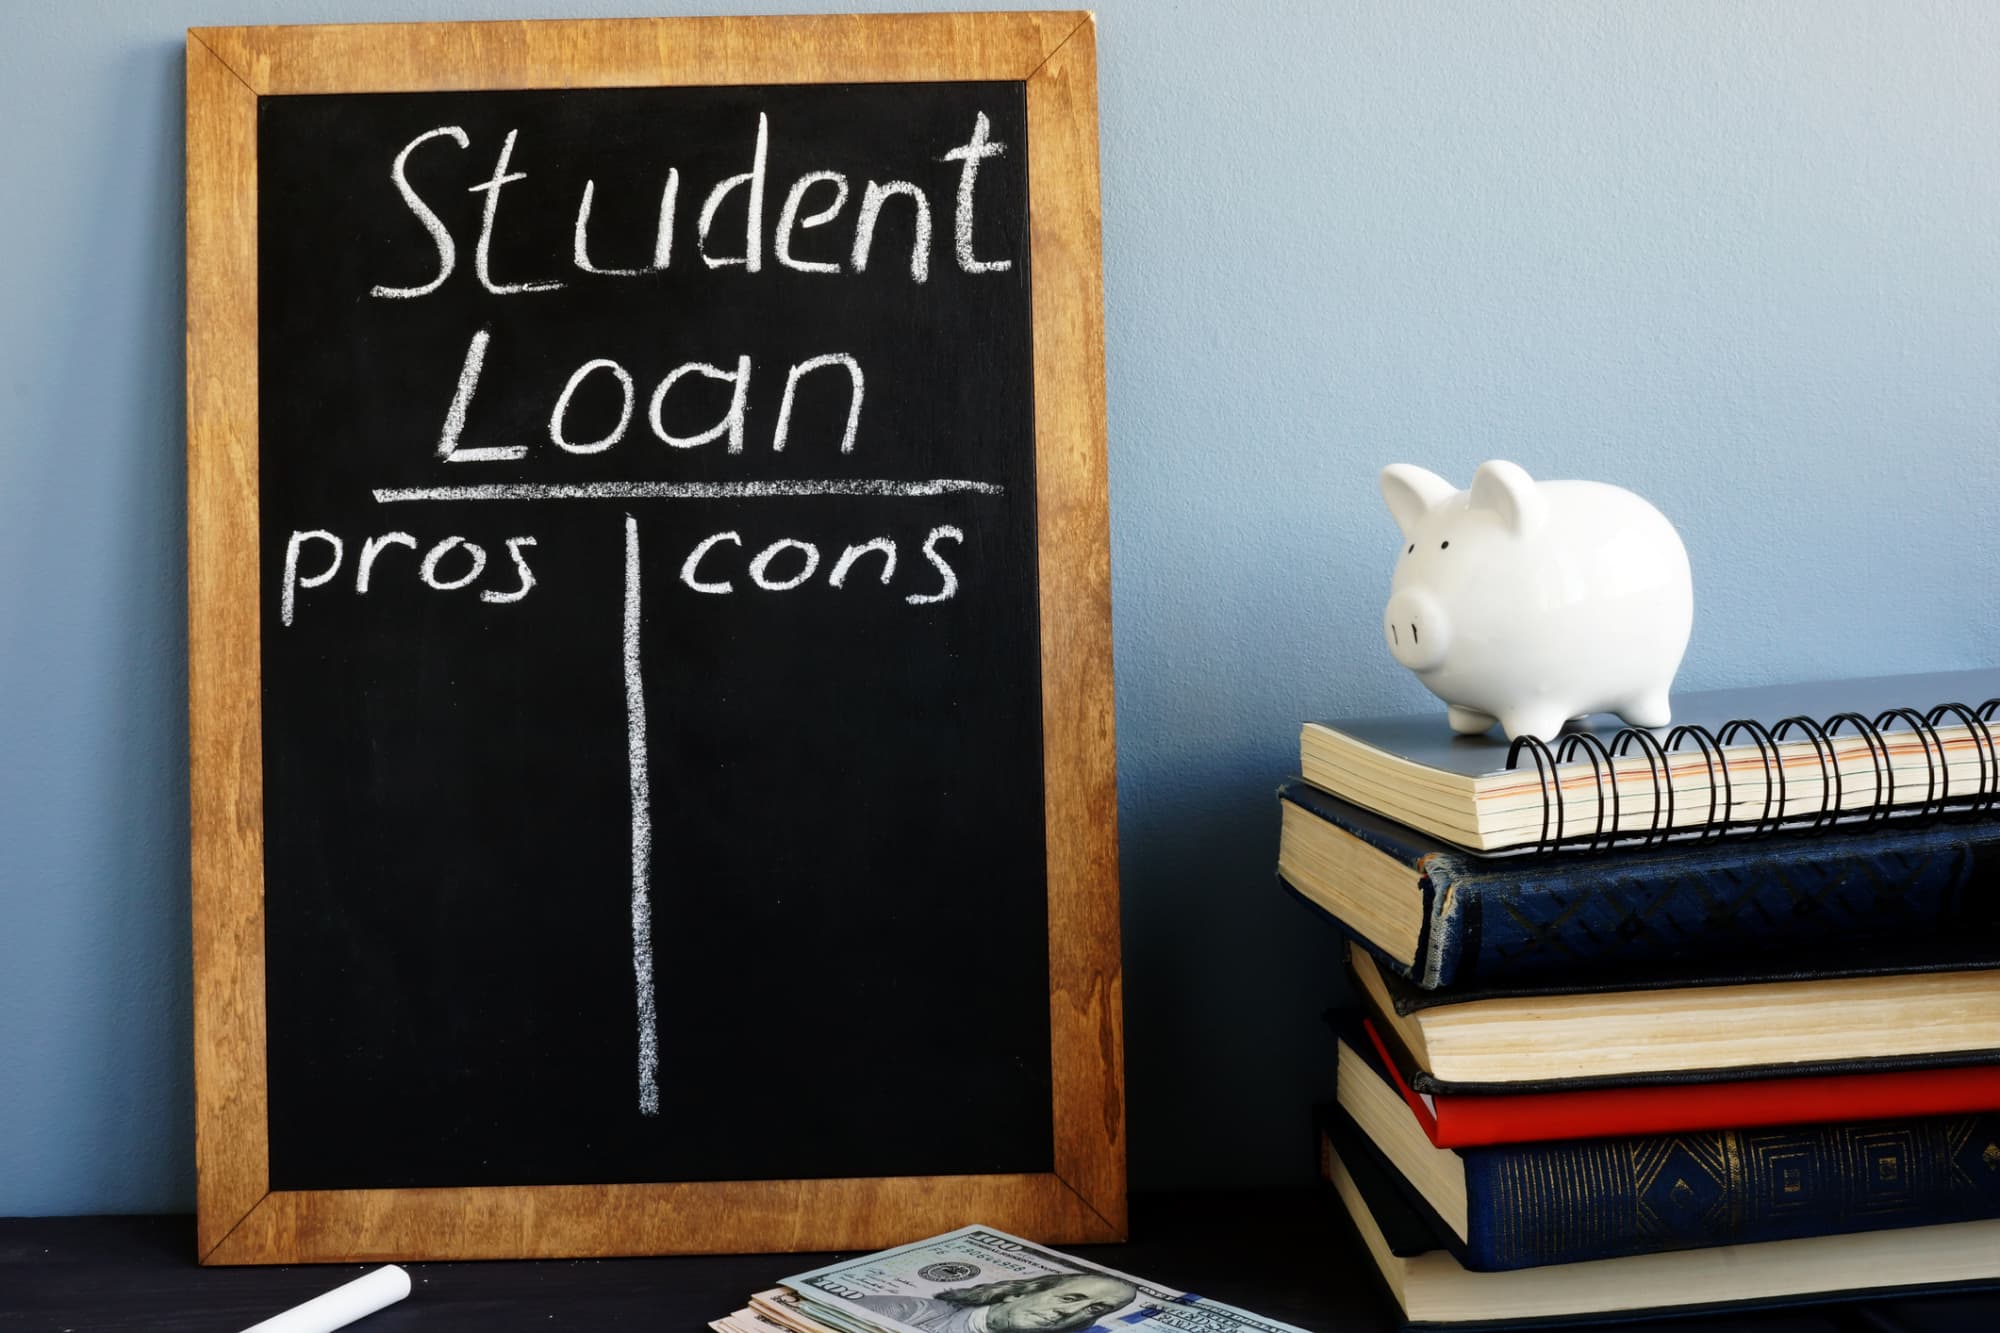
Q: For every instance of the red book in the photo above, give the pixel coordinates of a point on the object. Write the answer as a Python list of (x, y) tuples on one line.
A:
[(1459, 1120)]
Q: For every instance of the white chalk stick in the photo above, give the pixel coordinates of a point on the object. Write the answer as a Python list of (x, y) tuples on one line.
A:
[(341, 1306)]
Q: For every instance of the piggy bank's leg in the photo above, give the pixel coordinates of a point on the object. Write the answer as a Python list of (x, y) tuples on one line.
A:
[(1535, 719), (1648, 710), (1469, 721)]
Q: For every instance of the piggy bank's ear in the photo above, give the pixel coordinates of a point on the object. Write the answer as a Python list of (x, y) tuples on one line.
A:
[(1508, 490), (1412, 492)]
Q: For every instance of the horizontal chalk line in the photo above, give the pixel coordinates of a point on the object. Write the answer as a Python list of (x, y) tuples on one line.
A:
[(684, 490)]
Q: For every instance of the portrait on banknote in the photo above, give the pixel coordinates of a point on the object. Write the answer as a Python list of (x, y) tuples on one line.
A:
[(1052, 1303)]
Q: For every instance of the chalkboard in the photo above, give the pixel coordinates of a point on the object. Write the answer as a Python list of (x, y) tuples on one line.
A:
[(674, 600)]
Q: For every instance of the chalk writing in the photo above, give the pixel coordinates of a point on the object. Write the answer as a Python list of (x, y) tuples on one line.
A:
[(288, 593), (706, 407), (943, 532), (789, 216), (527, 576), (875, 195), (440, 235), (616, 433), (640, 785), (426, 571)]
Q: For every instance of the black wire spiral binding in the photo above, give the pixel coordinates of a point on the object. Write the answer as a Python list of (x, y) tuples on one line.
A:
[(1656, 764), (1607, 831), (1546, 776), (1926, 734), (1985, 795), (1986, 713), (1829, 766), (1594, 750), (1710, 754), (1774, 769), (1878, 759)]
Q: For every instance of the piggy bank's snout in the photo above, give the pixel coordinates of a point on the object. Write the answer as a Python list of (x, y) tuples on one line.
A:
[(1416, 630)]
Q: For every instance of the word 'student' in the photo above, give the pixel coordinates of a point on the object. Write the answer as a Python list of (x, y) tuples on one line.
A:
[(815, 200)]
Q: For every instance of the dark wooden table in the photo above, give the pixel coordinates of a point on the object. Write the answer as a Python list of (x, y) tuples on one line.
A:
[(1285, 1255)]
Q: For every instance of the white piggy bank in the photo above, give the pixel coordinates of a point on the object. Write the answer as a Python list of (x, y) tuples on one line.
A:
[(1530, 603)]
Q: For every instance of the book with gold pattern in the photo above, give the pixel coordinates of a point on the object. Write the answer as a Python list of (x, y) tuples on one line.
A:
[(1527, 1205), (1435, 1290)]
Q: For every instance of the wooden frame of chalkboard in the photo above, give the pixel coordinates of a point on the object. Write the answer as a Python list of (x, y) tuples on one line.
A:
[(232, 73)]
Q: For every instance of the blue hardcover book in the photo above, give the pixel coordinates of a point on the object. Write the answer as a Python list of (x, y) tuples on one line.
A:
[(1727, 1289), (1445, 917), (1526, 1205)]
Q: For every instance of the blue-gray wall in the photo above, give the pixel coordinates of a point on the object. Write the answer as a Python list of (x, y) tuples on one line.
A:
[(1744, 258)]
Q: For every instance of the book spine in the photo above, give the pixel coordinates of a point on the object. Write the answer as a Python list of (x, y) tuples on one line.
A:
[(1553, 1203), (1513, 925), (1443, 948)]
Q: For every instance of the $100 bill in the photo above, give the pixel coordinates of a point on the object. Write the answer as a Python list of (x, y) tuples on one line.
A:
[(978, 1280)]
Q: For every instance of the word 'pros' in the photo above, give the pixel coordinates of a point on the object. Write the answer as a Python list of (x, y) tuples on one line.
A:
[(822, 222)]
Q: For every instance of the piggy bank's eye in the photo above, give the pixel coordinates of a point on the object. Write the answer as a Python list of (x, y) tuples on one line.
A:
[(1413, 546), (1444, 546)]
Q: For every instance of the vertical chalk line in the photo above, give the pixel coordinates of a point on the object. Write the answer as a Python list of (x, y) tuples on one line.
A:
[(642, 834)]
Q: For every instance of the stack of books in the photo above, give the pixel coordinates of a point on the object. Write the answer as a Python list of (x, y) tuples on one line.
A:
[(1702, 1017)]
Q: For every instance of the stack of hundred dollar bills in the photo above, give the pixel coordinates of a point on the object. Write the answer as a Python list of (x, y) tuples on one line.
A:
[(978, 1280)]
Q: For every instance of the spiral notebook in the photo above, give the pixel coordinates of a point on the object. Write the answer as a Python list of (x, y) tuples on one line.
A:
[(1755, 760)]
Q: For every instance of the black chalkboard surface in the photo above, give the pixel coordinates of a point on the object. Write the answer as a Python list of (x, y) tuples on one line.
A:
[(666, 771), (614, 878)]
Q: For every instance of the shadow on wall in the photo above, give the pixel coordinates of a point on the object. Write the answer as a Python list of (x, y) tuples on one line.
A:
[(96, 1109), (138, 1152), (1226, 978)]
